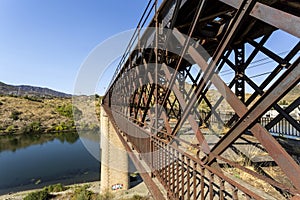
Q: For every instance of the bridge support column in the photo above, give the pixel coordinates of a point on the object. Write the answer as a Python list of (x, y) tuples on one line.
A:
[(114, 158)]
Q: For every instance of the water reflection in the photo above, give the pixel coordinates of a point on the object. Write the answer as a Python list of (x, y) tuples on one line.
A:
[(15, 142), (31, 161)]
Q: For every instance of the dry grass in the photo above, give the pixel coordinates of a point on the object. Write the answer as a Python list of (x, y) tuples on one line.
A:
[(18, 115), (251, 151)]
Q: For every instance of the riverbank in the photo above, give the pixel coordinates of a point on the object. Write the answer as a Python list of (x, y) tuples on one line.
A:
[(23, 115), (139, 190)]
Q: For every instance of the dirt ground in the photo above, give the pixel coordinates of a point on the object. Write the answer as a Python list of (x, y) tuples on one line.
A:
[(139, 189)]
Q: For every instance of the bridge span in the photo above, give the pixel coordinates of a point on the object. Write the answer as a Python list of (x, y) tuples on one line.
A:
[(188, 62)]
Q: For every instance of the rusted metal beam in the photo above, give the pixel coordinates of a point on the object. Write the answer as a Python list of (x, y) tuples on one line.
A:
[(267, 52), (185, 46), (279, 89), (266, 139), (277, 18), (289, 109), (227, 38), (242, 13), (281, 112), (274, 73), (232, 3), (190, 117)]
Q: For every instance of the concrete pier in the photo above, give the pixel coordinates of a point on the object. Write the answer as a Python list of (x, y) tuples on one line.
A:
[(114, 158)]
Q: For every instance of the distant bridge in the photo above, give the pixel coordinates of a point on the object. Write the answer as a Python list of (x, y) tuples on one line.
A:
[(201, 57)]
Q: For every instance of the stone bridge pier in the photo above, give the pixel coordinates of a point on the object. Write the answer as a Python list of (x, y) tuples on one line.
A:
[(114, 158)]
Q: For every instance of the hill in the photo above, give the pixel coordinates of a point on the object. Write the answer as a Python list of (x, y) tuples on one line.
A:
[(22, 115), (46, 115), (292, 95), (26, 90)]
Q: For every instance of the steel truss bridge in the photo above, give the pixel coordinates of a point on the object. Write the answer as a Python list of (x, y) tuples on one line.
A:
[(187, 63)]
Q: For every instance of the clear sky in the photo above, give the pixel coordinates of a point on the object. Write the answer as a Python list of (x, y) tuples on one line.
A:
[(44, 42)]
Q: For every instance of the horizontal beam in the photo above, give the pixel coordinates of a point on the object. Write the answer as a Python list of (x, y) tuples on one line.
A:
[(277, 18), (232, 3)]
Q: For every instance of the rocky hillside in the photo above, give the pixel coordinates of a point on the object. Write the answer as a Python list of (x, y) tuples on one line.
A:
[(292, 95), (26, 90), (41, 115)]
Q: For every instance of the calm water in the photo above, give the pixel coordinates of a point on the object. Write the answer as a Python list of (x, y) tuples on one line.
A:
[(33, 161)]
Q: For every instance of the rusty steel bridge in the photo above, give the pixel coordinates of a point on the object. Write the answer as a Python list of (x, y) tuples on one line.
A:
[(189, 64)]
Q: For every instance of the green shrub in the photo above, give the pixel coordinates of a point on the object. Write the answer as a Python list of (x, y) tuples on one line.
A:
[(64, 126), (283, 102), (13, 95), (60, 127), (40, 195), (15, 115), (10, 129), (32, 98), (67, 111), (33, 127), (82, 193), (55, 188)]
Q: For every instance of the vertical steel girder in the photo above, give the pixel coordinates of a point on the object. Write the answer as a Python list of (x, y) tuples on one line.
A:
[(187, 175), (239, 72)]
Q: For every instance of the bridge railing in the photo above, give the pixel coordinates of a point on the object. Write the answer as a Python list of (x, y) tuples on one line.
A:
[(281, 128), (183, 176), (139, 138)]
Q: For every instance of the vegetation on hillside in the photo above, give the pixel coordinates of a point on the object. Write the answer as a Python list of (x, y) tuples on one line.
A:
[(40, 115)]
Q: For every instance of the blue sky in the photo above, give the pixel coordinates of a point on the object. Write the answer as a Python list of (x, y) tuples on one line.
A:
[(43, 43)]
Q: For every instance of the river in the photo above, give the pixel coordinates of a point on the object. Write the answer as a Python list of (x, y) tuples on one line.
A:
[(34, 161)]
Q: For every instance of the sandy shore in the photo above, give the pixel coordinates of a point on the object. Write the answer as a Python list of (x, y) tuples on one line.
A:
[(139, 189)]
